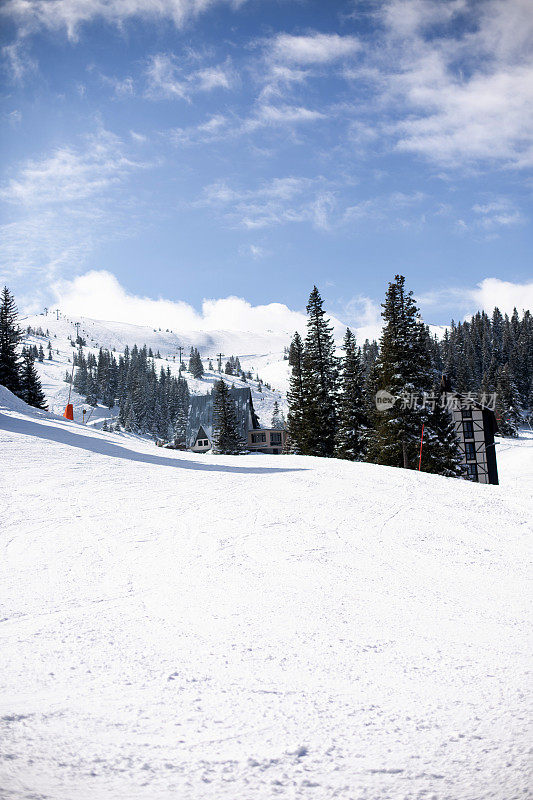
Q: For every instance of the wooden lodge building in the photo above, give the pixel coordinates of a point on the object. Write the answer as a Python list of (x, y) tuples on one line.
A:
[(475, 426), (256, 439)]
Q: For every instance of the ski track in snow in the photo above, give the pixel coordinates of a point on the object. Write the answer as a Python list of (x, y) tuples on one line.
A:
[(217, 628)]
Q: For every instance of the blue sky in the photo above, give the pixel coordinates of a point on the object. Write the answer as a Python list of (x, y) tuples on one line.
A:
[(193, 149)]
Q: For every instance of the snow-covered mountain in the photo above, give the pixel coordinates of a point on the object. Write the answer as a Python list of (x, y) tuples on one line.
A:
[(214, 628), (260, 354)]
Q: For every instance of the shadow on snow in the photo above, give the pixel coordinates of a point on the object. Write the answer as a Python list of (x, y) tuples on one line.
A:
[(93, 443)]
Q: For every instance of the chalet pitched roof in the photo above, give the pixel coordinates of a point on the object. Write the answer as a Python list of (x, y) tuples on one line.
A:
[(201, 433), (201, 415)]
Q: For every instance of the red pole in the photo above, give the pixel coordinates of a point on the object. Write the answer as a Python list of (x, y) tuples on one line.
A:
[(421, 441)]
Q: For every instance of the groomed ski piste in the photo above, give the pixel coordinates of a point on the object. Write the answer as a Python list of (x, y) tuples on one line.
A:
[(240, 628)]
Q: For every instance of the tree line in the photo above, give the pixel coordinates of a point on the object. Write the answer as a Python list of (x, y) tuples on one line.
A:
[(332, 400), (17, 372), (148, 402)]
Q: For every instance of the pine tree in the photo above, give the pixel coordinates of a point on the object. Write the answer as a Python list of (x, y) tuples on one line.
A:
[(30, 385), (10, 336), (277, 421), (196, 368), (507, 403), (319, 376), (296, 433), (403, 371), (180, 425), (41, 354), (440, 452), (352, 422), (92, 392), (226, 436)]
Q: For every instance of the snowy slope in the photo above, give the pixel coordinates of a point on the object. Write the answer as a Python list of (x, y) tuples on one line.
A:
[(119, 334), (241, 628), (114, 335)]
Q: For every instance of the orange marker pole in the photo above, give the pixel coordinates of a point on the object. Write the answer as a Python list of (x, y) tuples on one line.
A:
[(69, 410)]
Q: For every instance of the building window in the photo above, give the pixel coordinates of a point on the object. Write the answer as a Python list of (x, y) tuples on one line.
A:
[(470, 451), (471, 472), (257, 438), (202, 443), (468, 429), (466, 413), (275, 437)]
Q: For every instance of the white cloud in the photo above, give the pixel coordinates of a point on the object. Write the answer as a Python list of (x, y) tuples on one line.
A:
[(492, 292), (280, 78), (122, 87), (497, 213), (71, 174), (99, 295), (397, 209), (69, 15), (167, 77), (140, 138), (213, 78), (164, 77), (461, 96), (220, 127), (14, 118), (315, 48), (64, 204), (485, 296), (254, 251), (17, 62), (363, 316), (275, 116), (276, 202)]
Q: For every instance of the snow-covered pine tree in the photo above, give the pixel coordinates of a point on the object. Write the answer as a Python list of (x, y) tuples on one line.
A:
[(372, 413), (440, 452), (352, 422), (91, 391), (10, 336), (402, 370), (40, 355), (507, 403), (277, 421), (30, 385), (196, 368), (319, 379), (296, 432), (180, 424), (226, 437)]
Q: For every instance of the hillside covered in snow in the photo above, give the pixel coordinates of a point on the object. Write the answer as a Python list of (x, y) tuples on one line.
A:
[(183, 626), (262, 356)]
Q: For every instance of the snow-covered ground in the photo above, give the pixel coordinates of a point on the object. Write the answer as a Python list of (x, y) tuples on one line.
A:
[(240, 628)]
